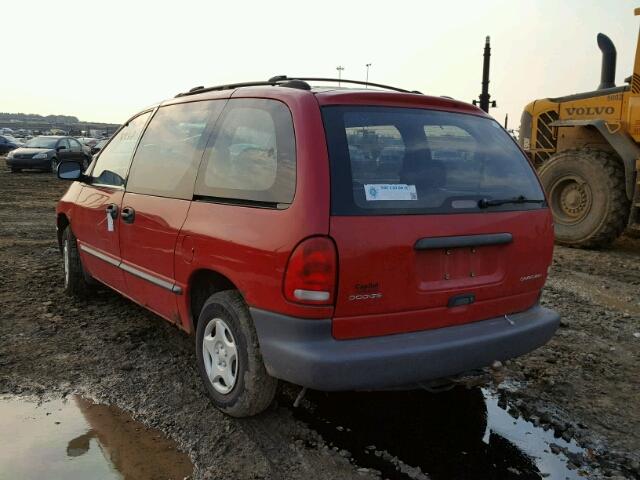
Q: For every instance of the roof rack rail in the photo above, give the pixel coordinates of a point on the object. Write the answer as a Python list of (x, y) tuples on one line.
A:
[(229, 86), (291, 82), (343, 80)]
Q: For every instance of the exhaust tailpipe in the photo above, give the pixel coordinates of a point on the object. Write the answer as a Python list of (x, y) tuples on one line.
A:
[(608, 72)]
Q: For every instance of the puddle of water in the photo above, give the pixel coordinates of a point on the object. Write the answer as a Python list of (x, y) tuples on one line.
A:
[(530, 439), (456, 434), (78, 439)]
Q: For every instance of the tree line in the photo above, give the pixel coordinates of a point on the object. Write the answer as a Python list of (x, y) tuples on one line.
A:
[(33, 117)]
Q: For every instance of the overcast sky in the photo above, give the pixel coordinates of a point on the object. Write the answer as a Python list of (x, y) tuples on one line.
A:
[(103, 61)]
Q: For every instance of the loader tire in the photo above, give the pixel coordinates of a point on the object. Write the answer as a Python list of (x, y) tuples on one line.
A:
[(586, 192)]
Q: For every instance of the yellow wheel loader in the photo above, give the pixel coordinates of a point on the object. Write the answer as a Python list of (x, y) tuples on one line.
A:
[(586, 147)]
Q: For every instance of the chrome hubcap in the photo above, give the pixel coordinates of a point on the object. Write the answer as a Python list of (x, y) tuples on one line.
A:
[(220, 355)]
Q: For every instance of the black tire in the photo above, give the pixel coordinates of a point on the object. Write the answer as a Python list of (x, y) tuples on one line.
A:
[(632, 232), (16, 170), (54, 165), (253, 390), (77, 282), (586, 191)]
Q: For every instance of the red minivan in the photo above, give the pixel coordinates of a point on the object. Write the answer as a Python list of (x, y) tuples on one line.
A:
[(338, 239)]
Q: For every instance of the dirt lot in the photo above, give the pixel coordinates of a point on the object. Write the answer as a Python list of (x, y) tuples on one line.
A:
[(583, 387)]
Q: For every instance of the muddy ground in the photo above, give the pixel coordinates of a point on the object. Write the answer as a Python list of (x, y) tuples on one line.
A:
[(584, 386)]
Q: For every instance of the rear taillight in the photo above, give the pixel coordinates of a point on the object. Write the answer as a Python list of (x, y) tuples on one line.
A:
[(310, 277)]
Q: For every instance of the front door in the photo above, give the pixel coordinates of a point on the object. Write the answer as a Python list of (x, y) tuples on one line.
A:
[(76, 153), (96, 227), (157, 200), (96, 217), (63, 150)]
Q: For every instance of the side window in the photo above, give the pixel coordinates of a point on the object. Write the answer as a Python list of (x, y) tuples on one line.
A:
[(166, 161), (64, 143), (75, 145), (251, 155), (113, 163)]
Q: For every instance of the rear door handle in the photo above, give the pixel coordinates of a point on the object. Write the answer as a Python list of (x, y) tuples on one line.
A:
[(112, 210), (433, 243), (128, 215)]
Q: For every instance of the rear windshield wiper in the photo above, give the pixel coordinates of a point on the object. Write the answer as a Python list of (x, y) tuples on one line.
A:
[(485, 203)]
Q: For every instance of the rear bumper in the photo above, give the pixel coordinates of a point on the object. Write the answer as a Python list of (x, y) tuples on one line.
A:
[(303, 352)]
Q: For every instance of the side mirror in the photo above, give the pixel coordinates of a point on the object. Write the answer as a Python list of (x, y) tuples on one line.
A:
[(70, 171), (61, 147)]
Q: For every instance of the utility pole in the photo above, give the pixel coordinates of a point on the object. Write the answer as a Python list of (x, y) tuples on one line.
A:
[(367, 80), (484, 95), (339, 68)]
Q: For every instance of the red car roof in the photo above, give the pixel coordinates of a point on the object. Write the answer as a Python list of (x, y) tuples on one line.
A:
[(377, 97), (340, 97)]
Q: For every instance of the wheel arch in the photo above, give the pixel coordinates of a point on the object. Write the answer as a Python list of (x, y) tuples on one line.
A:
[(202, 284), (621, 143)]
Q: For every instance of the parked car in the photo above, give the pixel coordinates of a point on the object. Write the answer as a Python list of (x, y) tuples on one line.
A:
[(98, 146), (8, 143), (88, 141), (46, 152), (235, 212)]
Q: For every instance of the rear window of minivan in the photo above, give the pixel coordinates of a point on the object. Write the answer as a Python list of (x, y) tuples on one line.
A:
[(387, 160)]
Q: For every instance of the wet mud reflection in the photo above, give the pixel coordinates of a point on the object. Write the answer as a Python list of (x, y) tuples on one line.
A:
[(457, 434), (78, 439)]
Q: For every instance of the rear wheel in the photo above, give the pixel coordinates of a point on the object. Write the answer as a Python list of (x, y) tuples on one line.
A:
[(586, 191), (229, 359)]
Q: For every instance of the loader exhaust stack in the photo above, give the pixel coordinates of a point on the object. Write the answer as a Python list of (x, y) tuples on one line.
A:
[(608, 72)]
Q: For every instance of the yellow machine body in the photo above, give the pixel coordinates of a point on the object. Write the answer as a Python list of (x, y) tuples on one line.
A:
[(605, 120)]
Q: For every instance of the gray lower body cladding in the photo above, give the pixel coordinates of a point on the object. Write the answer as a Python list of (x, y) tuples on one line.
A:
[(303, 351)]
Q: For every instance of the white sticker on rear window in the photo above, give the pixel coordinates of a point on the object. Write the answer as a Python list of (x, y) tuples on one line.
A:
[(390, 191)]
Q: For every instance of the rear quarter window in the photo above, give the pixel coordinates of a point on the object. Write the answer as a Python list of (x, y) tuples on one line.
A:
[(387, 160), (251, 155)]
